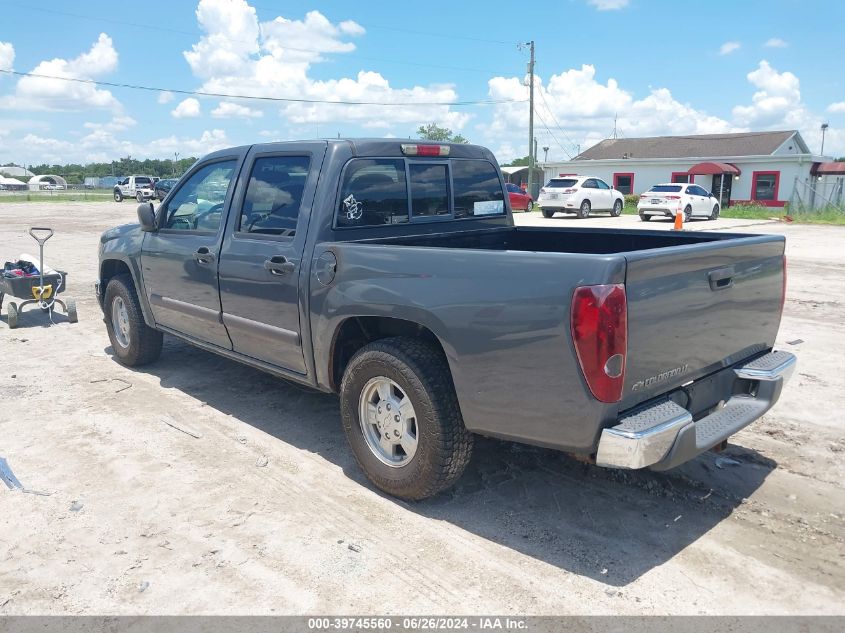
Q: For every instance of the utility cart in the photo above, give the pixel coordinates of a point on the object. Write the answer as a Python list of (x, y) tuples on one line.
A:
[(40, 290)]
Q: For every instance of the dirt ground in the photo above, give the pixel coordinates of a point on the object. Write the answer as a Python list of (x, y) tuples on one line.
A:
[(260, 508)]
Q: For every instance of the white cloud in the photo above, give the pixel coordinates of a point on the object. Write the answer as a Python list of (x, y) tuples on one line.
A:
[(579, 110), (776, 102), (775, 42), (7, 56), (165, 97), (38, 93), (729, 47), (609, 5), (187, 109), (836, 107), (229, 110), (237, 54), (117, 124)]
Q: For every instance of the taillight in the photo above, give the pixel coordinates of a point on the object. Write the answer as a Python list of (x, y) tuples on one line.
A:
[(600, 332), (783, 287), (543, 190), (425, 150), (570, 190), (673, 197)]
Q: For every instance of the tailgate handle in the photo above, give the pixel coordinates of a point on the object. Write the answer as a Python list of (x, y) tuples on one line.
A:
[(722, 278)]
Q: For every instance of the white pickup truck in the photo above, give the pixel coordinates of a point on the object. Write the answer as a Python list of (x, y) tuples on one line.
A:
[(138, 187)]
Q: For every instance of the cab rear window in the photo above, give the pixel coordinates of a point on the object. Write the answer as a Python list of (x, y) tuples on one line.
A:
[(377, 191)]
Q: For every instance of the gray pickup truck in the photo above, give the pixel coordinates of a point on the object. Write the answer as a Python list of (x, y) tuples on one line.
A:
[(391, 273)]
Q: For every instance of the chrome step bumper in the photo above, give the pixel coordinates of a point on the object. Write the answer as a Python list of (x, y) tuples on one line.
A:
[(664, 435)]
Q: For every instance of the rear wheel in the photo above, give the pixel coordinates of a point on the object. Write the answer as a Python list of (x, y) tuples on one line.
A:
[(617, 209), (688, 213), (401, 417), (547, 213), (714, 214), (71, 310), (645, 217), (118, 197), (133, 341), (584, 209)]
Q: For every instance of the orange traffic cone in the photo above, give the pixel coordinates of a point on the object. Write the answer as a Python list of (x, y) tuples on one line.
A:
[(679, 220)]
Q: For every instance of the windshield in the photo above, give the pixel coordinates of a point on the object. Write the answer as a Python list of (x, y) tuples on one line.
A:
[(562, 183), (665, 188)]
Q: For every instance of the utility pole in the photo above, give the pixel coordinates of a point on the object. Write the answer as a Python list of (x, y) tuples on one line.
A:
[(531, 150), (545, 153), (824, 129)]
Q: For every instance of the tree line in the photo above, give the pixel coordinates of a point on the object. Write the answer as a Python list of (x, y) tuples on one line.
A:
[(74, 173)]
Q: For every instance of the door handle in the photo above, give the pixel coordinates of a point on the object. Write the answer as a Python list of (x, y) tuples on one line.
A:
[(279, 265), (203, 255), (722, 278)]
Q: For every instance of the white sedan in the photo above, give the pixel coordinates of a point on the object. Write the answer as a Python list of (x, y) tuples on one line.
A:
[(666, 199), (579, 195)]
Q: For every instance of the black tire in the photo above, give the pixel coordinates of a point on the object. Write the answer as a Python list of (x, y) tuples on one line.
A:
[(548, 213), (118, 197), (12, 315), (584, 209), (617, 209), (687, 213), (144, 342), (72, 316), (139, 197), (444, 444), (714, 214), (645, 217)]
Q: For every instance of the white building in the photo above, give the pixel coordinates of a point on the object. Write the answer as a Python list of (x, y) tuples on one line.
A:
[(766, 168)]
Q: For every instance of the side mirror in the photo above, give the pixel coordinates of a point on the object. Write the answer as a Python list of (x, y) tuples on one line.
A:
[(147, 216)]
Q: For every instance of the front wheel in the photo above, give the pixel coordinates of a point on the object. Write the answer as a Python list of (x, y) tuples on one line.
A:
[(12, 315), (714, 214), (139, 197), (133, 341), (617, 209), (118, 197), (401, 417)]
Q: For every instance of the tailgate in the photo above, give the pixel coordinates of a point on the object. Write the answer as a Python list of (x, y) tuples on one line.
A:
[(696, 308)]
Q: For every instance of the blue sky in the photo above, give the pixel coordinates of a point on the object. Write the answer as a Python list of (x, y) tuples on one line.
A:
[(657, 67)]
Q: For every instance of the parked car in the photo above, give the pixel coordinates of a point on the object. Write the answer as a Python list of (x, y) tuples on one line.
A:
[(580, 195), (138, 187), (666, 199), (392, 273), (518, 198), (163, 187)]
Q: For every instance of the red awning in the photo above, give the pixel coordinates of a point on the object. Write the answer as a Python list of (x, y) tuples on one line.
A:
[(829, 169), (709, 169)]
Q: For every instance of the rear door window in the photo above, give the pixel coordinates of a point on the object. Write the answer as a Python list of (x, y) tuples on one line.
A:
[(274, 195), (478, 190), (429, 189)]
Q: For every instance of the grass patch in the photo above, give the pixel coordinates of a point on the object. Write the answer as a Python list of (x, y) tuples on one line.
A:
[(64, 196)]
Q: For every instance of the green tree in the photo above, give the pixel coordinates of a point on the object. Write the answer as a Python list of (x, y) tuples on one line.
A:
[(433, 132), (518, 162)]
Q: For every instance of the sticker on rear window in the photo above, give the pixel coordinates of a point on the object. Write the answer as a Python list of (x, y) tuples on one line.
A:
[(488, 207)]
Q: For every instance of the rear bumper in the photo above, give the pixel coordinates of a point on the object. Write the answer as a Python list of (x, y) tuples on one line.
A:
[(664, 435)]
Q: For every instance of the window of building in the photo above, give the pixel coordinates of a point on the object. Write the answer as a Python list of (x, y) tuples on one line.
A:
[(764, 185), (682, 176), (624, 183)]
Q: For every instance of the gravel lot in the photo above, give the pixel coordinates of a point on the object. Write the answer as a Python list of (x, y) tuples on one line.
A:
[(265, 512)]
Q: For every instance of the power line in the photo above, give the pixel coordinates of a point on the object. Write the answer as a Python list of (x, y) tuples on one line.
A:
[(545, 125), (554, 118), (166, 29), (222, 95)]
